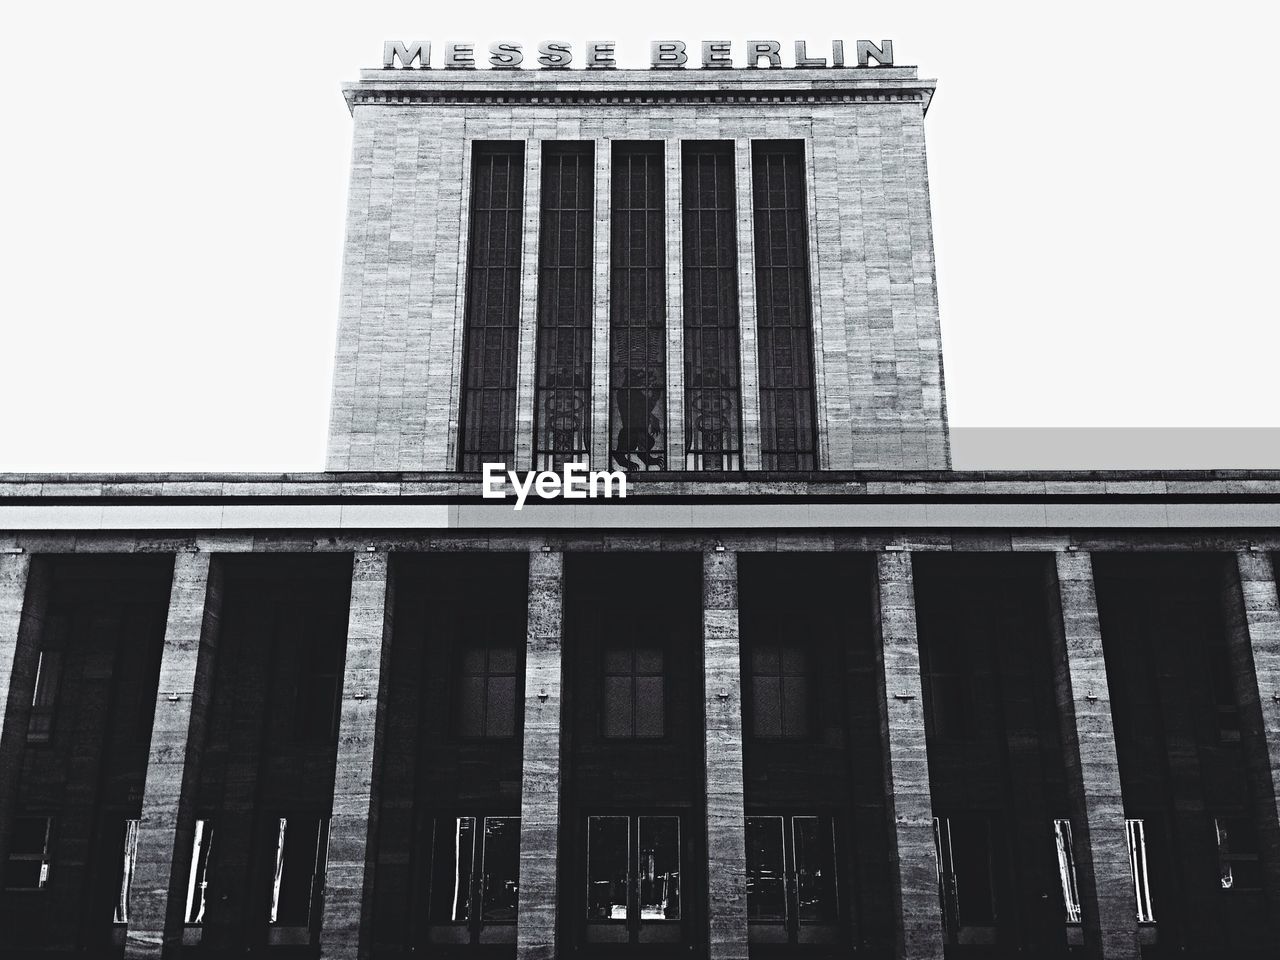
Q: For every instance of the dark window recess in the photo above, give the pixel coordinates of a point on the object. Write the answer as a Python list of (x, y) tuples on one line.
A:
[(492, 319), (634, 692), (476, 871), (320, 685), (637, 309), (788, 434), (27, 867), (780, 707), (791, 876), (964, 871), (948, 689), (487, 694), (562, 404), (297, 887), (44, 696), (1224, 695), (1238, 865), (713, 395)]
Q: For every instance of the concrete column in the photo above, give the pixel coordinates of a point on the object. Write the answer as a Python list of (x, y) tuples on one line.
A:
[(525, 382), (1103, 873), (600, 365), (183, 698), (346, 926), (1252, 617), (540, 782), (24, 598), (726, 824), (914, 860), (674, 165), (748, 351)]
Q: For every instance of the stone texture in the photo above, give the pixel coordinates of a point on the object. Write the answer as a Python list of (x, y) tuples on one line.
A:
[(1251, 612), (914, 860), (726, 825), (1104, 875), (346, 928), (173, 763), (540, 783), (24, 598)]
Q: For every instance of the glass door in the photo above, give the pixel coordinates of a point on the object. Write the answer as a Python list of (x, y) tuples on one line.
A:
[(792, 894), (633, 879)]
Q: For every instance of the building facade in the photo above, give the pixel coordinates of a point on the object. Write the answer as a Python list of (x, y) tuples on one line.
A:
[(804, 691)]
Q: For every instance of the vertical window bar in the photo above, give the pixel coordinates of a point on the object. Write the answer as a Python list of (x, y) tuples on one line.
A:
[(562, 406), (198, 878), (788, 434), (713, 395), (279, 874), (637, 308), (1067, 869), (492, 318), (130, 862)]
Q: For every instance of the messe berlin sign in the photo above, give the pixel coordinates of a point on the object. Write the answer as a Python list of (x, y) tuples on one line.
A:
[(600, 55)]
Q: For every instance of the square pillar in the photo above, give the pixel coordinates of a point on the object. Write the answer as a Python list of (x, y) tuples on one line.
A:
[(600, 441), (540, 780), (1103, 873), (726, 818), (748, 352), (24, 599), (914, 860), (183, 697), (1251, 611), (674, 167), (526, 382), (346, 927)]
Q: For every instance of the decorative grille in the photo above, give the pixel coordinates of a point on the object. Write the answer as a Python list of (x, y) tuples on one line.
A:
[(784, 321), (713, 395), (637, 309), (562, 405), (492, 322)]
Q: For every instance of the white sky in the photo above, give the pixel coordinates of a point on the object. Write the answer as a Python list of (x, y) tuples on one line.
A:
[(174, 178)]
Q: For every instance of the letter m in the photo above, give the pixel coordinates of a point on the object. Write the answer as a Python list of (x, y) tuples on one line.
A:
[(419, 50)]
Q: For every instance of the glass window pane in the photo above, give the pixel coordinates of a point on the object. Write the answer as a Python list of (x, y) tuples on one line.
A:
[(617, 707), (815, 869), (971, 865), (764, 660), (608, 865), (451, 875), (471, 706), (766, 885), (30, 835), (649, 661), (650, 707), (795, 707), (198, 878), (502, 660), (1067, 870), (473, 661), (617, 661), (766, 706), (128, 863), (501, 869), (1136, 834), (298, 847), (500, 713), (794, 662), (659, 868)]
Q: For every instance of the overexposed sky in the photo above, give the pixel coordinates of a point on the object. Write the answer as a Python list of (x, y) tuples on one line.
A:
[(174, 175)]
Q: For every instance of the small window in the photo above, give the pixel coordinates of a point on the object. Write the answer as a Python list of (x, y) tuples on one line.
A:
[(1067, 870), (198, 876), (319, 688), (28, 864), (476, 879), (779, 691), (1136, 832), (298, 884), (44, 696), (487, 692), (129, 862), (1238, 864), (963, 846), (634, 693), (791, 875)]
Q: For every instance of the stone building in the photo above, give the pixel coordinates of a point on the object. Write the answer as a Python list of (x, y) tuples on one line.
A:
[(804, 692)]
